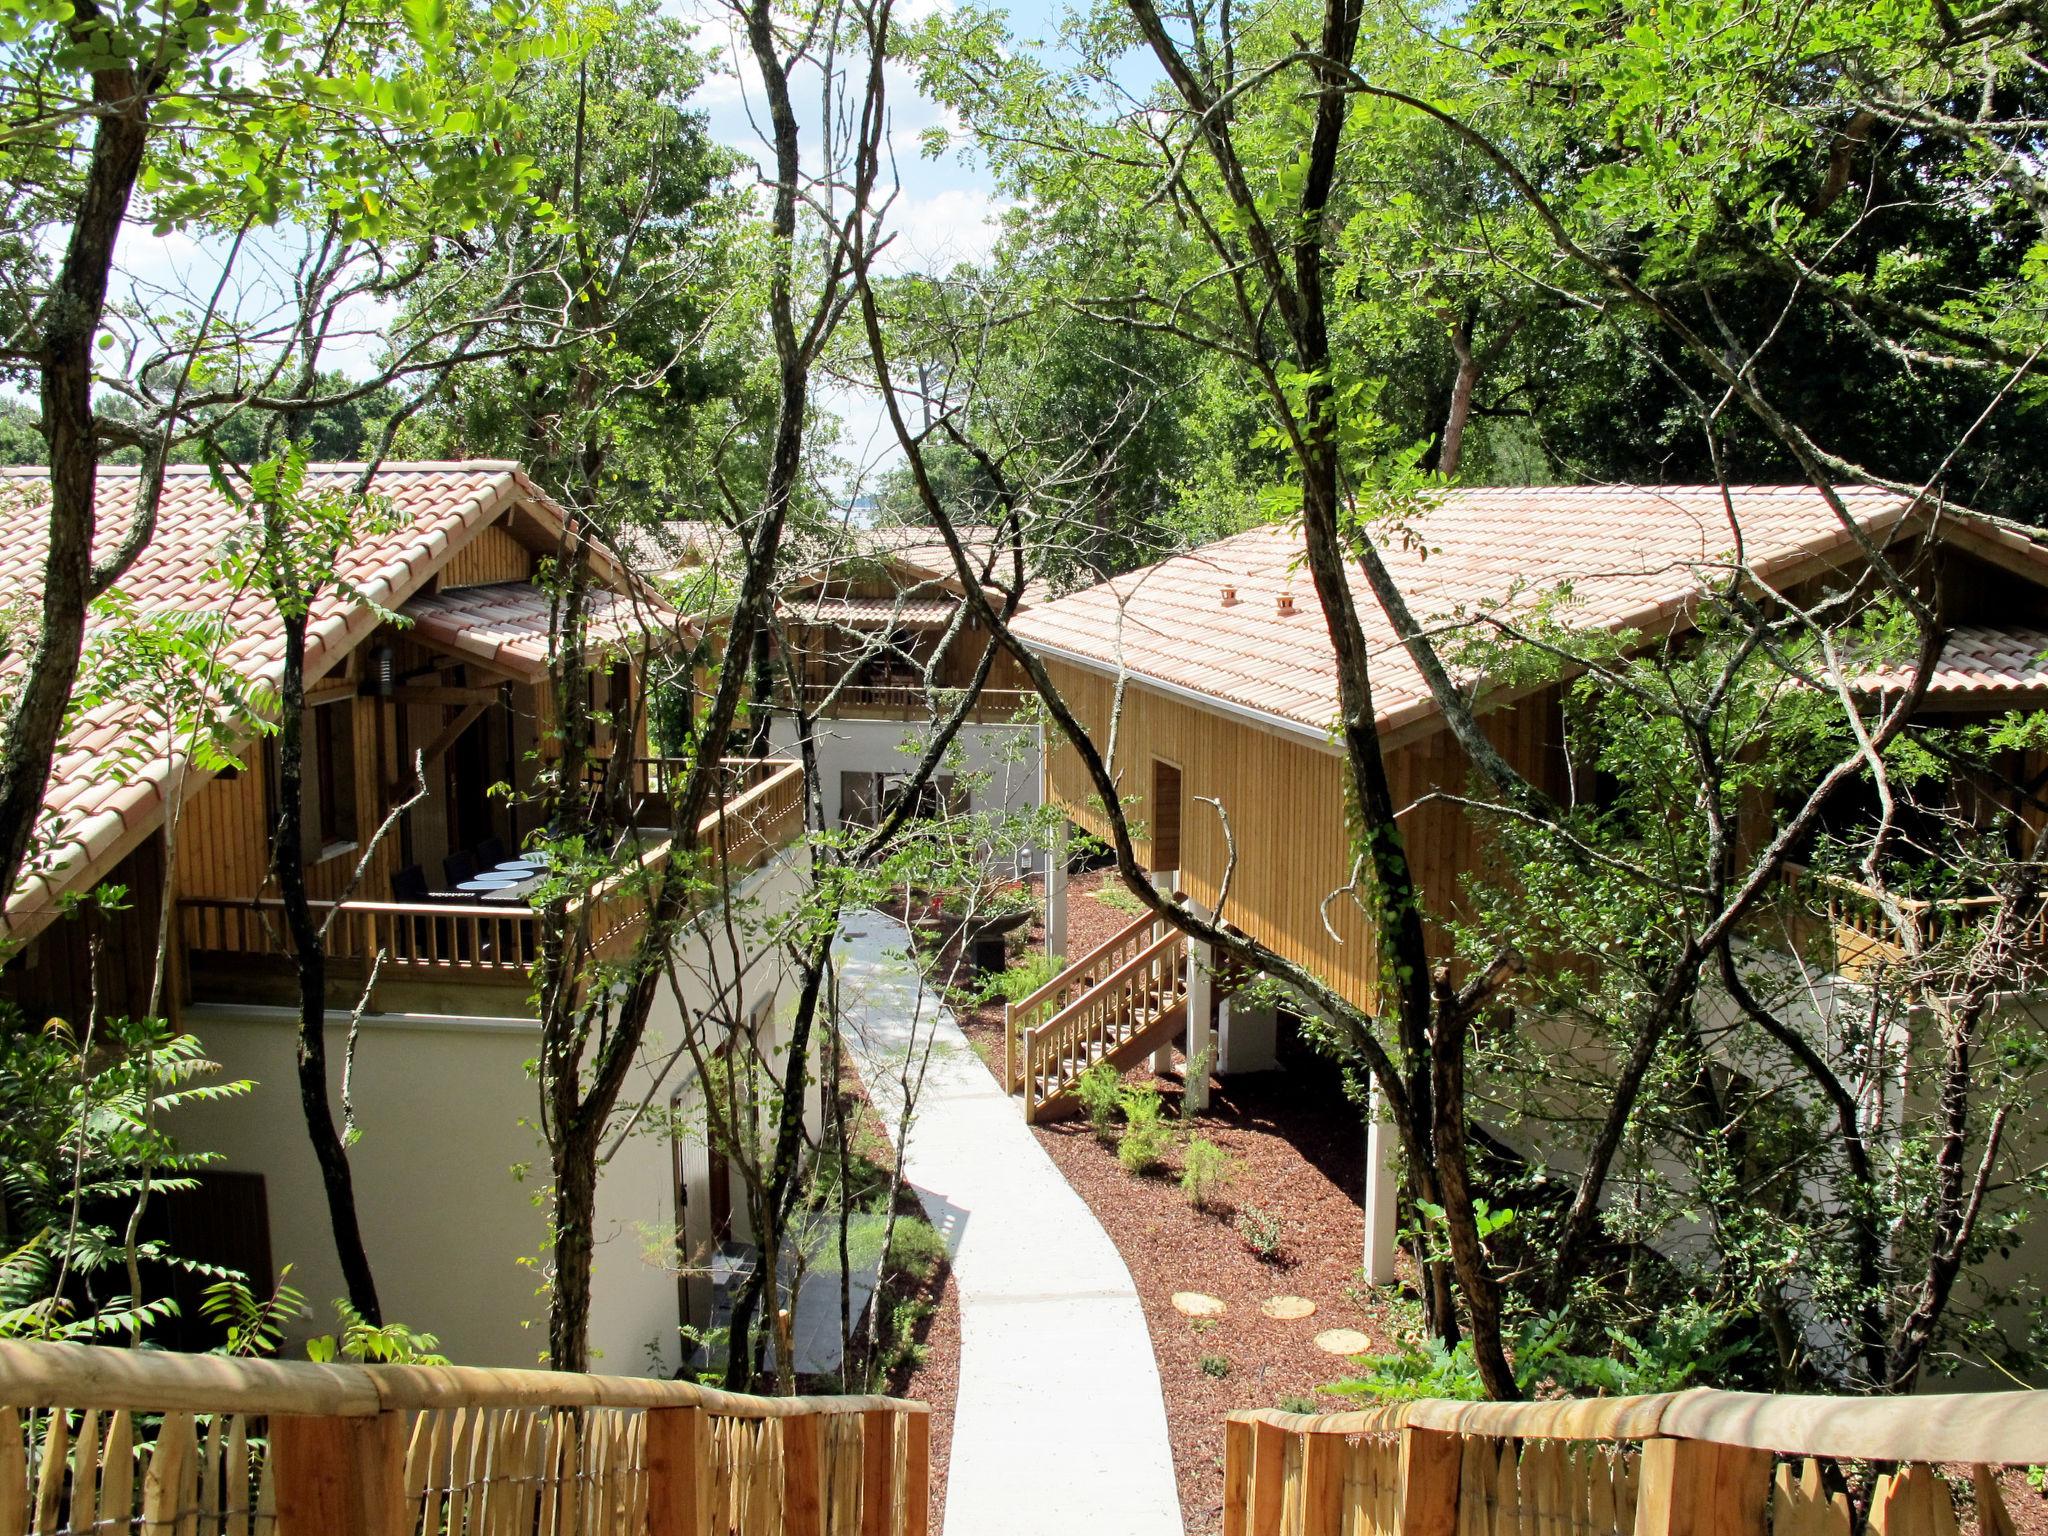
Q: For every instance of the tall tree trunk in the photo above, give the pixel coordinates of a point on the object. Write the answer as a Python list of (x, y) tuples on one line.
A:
[(309, 951), (70, 318), (574, 1170), (1463, 383), (1468, 1255)]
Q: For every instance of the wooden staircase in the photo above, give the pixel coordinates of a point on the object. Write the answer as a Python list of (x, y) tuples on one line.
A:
[(1118, 1003)]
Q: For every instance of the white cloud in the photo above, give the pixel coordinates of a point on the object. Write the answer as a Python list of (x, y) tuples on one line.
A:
[(936, 232)]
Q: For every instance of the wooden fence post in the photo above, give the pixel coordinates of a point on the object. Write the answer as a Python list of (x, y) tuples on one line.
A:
[(1322, 1484), (1269, 1478), (803, 1508), (878, 1473), (678, 1472), (1237, 1477), (917, 1473), (1432, 1462), (1697, 1488), (339, 1474)]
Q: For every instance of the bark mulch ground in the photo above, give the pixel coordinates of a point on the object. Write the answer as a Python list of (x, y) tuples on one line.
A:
[(930, 1370), (1300, 1157)]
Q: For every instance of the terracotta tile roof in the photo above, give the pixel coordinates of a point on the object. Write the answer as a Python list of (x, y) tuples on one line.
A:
[(1629, 557), (105, 794), (1979, 661), (922, 550), (866, 612), (506, 625)]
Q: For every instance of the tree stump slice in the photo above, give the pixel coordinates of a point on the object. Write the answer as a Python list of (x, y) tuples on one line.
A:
[(1287, 1309), (1342, 1341)]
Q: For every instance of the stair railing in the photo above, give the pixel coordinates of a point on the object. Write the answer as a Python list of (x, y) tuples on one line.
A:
[(1129, 998), (1065, 989)]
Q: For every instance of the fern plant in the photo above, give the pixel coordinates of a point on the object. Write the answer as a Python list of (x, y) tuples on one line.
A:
[(83, 1140)]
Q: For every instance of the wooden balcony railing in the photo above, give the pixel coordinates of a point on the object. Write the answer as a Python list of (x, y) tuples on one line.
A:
[(762, 811), (909, 701), (111, 1440), (1863, 927), (1697, 1463)]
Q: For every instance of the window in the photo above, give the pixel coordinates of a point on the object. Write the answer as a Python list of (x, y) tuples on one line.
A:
[(857, 799), (331, 775), (1165, 810), (863, 797)]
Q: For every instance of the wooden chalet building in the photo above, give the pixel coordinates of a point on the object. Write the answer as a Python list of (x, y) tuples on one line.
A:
[(460, 683), (871, 636), (1231, 692)]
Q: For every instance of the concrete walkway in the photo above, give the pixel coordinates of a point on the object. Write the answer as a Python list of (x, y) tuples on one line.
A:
[(1060, 1428)]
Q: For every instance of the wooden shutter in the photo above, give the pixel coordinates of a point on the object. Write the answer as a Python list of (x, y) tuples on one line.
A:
[(1165, 815)]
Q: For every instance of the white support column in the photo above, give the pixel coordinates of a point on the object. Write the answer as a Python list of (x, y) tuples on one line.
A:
[(1382, 1194), (1249, 1034), (1056, 893), (1200, 1047)]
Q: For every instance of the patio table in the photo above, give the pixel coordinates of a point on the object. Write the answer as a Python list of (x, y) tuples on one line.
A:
[(513, 891), (490, 882)]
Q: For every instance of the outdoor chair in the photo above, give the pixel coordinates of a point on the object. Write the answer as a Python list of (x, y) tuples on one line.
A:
[(458, 867), (490, 853)]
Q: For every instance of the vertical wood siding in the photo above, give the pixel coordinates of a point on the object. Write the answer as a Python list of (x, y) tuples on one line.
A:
[(1285, 803), (494, 555)]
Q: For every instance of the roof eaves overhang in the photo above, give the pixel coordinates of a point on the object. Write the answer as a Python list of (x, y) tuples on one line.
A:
[(38, 899), (1266, 720), (1421, 718)]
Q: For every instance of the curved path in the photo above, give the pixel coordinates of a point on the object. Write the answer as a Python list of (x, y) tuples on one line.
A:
[(1060, 1428)]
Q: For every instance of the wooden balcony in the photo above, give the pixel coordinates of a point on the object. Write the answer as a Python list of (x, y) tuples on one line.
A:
[(1860, 932), (909, 700), (96, 1439), (237, 950), (1697, 1463)]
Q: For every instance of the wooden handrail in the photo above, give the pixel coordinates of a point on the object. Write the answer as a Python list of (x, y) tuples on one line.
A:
[(496, 912), (1102, 1019), (1695, 1461), (350, 1450), (1064, 989), (42, 1375), (1117, 977)]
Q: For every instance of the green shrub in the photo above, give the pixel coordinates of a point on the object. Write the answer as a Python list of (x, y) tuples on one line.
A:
[(1205, 1170), (1215, 1366), (1117, 899), (1022, 979), (916, 1249), (1147, 1137), (1260, 1230), (901, 1350), (1100, 1090), (1294, 1402)]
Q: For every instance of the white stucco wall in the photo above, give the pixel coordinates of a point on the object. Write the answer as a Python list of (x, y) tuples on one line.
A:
[(1008, 755), (447, 1107)]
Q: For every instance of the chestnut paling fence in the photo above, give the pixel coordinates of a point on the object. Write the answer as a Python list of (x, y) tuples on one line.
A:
[(1699, 1463), (97, 1440)]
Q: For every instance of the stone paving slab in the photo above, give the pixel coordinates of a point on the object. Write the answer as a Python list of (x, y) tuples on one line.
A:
[(1060, 1427)]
